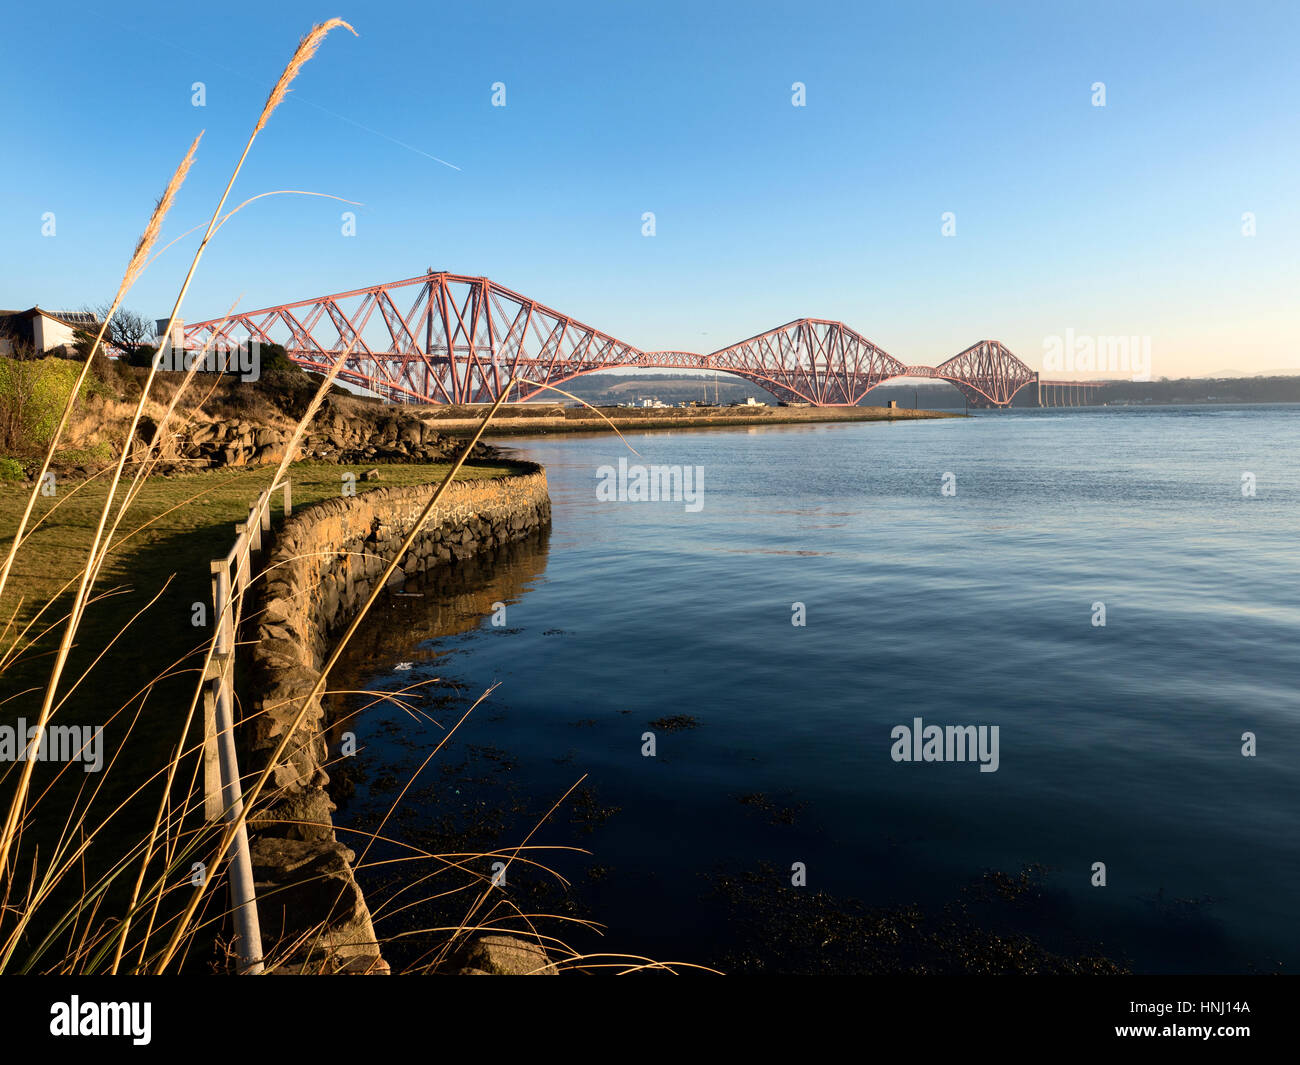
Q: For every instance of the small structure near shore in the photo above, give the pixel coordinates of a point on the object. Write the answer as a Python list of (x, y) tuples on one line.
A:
[(36, 329)]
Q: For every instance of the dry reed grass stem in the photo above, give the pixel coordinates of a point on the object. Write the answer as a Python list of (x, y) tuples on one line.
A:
[(552, 388), (234, 211), (432, 754), (133, 270), (448, 946), (152, 454), (18, 803), (305, 50), (58, 865), (254, 793)]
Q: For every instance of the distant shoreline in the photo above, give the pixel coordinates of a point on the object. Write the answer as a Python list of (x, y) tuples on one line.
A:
[(512, 421)]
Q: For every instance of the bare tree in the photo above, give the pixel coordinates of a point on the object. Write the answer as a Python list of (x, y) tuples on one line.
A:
[(128, 331)]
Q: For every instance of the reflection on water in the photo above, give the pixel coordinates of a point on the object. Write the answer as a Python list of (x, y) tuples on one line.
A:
[(1118, 743), (405, 631)]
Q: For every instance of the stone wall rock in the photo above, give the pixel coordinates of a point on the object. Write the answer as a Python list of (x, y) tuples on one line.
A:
[(317, 574), (333, 437)]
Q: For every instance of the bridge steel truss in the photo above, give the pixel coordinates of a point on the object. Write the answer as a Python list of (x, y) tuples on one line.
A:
[(452, 338)]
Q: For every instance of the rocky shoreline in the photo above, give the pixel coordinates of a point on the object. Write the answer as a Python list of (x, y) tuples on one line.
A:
[(333, 436), (319, 571)]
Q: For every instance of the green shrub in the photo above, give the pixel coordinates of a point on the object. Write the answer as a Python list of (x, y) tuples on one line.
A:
[(112, 378), (33, 393), (277, 367), (284, 382), (10, 469), (95, 455)]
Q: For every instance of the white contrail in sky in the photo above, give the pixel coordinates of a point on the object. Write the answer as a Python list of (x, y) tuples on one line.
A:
[(207, 57)]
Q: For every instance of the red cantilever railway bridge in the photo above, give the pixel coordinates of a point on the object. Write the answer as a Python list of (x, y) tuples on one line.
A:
[(461, 339)]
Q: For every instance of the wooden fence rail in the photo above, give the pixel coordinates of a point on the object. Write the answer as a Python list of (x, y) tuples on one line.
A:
[(222, 793)]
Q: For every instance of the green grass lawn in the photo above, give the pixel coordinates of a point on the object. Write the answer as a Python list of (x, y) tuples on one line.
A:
[(176, 527)]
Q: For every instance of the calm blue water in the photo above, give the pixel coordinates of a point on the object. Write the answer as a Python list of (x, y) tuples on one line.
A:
[(1118, 744)]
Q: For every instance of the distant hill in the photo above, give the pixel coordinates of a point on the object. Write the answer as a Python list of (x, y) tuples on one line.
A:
[(1254, 389), (613, 389), (1223, 375)]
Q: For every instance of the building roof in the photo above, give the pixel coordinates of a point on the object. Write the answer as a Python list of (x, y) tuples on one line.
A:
[(72, 318), (19, 327), (76, 319)]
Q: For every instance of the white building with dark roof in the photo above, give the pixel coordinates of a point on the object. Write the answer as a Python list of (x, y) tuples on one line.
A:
[(37, 329)]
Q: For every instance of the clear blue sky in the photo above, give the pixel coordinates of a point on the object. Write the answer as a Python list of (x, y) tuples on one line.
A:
[(1122, 220)]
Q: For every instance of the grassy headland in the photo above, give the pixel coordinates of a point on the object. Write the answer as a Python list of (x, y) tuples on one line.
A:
[(138, 651)]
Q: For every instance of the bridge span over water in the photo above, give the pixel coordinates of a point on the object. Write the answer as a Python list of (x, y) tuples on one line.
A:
[(450, 338)]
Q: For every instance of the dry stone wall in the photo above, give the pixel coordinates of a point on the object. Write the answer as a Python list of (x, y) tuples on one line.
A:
[(318, 573)]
